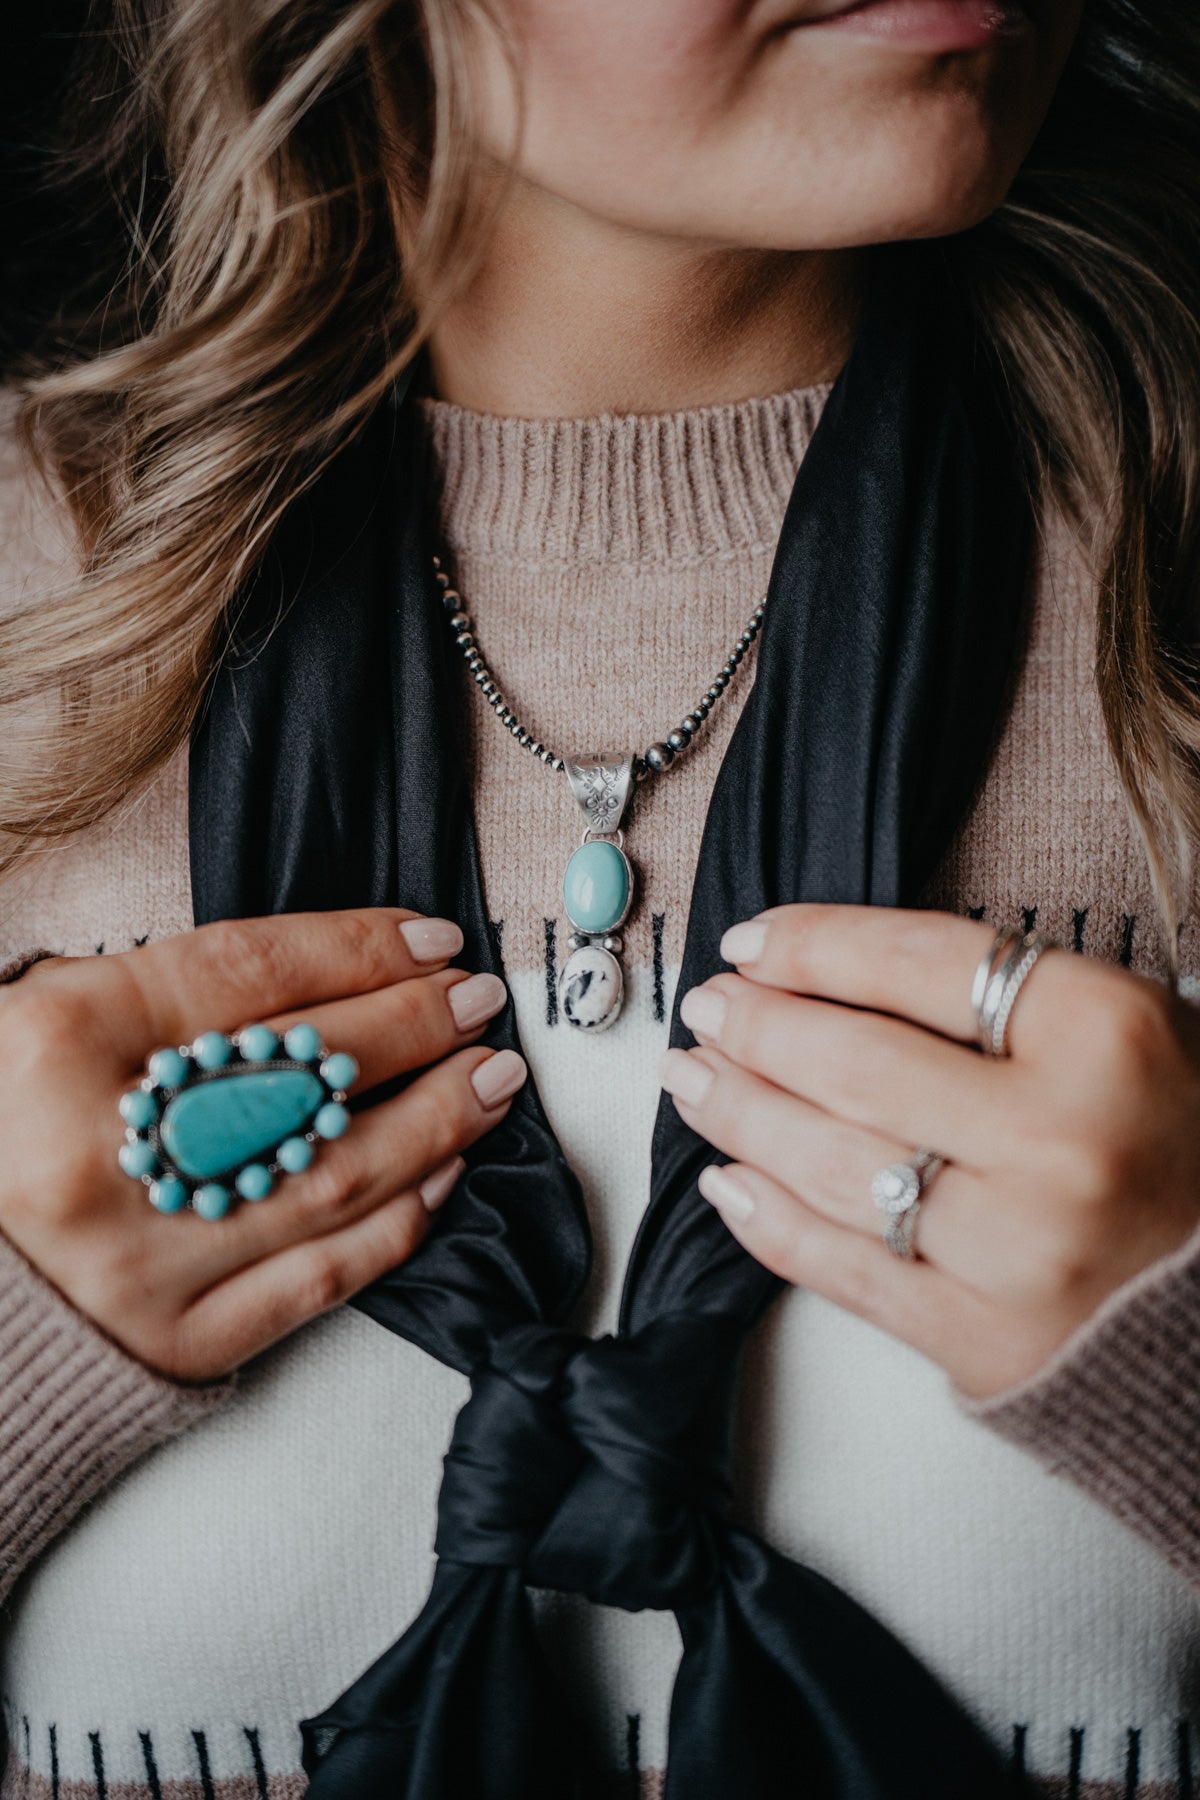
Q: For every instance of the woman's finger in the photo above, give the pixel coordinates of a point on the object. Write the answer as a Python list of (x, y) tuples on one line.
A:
[(912, 1301), (405, 1026), (258, 1305), (915, 965), (236, 971), (829, 1165), (882, 1073)]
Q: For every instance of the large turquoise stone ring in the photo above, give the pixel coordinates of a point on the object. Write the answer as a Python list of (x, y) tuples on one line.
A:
[(226, 1116)]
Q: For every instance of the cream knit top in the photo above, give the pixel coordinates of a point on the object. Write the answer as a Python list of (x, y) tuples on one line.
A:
[(245, 1551)]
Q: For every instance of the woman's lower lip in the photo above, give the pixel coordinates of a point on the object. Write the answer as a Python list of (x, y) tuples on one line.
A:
[(932, 25)]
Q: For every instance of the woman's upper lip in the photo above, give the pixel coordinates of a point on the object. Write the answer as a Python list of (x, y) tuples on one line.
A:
[(816, 10)]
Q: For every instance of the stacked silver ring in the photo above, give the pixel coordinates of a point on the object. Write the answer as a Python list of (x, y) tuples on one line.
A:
[(898, 1191), (1002, 972)]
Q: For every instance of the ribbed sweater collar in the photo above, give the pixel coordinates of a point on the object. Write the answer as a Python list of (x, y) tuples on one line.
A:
[(639, 490)]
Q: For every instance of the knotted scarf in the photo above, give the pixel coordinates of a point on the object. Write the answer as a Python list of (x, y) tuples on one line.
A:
[(328, 771)]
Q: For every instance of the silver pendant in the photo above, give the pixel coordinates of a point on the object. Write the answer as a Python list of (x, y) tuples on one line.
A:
[(597, 891)]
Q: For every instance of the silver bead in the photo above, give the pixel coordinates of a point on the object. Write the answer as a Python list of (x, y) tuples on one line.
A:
[(613, 944), (452, 600), (464, 640), (514, 724), (713, 694), (534, 748), (678, 739), (704, 706), (659, 757), (576, 941), (461, 621), (721, 682), (690, 723), (488, 688), (735, 656), (443, 580), (481, 674)]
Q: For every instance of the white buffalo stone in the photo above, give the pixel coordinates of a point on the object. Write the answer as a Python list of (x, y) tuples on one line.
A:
[(591, 988)]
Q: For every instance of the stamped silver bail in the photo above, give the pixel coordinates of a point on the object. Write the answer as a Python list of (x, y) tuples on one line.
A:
[(602, 782), (591, 988)]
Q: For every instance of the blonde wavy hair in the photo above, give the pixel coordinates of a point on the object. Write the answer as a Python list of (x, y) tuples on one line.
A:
[(287, 188)]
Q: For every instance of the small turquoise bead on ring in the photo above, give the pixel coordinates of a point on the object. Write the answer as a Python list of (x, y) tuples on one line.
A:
[(226, 1117)]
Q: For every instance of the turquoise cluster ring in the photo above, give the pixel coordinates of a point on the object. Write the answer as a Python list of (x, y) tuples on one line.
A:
[(224, 1117)]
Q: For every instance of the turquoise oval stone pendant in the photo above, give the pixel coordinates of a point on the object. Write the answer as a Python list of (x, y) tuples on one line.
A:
[(224, 1117), (597, 892), (598, 887)]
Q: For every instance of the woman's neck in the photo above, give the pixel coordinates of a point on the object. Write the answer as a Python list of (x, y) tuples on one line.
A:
[(569, 316)]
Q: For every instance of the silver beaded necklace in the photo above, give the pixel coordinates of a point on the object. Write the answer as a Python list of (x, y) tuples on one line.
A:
[(598, 882)]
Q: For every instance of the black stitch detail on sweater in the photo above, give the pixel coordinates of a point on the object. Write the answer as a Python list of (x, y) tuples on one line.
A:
[(206, 1780), (152, 1780), (1187, 1784), (1029, 917), (633, 1752), (142, 939), (1076, 1768), (660, 994), (551, 971), (1127, 929), (54, 1762), (1078, 921), (1133, 1764), (99, 949), (98, 1765), (260, 1768), (1020, 1733), (976, 912)]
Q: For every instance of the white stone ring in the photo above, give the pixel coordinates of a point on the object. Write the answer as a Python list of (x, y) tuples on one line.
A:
[(898, 1191)]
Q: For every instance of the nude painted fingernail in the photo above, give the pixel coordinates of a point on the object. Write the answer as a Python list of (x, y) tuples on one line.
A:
[(475, 1000), (685, 1076), (432, 940), (722, 1191), (744, 943), (437, 1188), (499, 1077), (703, 1012)]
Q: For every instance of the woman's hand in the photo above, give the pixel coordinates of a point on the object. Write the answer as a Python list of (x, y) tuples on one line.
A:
[(193, 1297), (845, 1042)]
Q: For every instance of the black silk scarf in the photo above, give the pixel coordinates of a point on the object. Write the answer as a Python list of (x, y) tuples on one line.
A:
[(327, 772)]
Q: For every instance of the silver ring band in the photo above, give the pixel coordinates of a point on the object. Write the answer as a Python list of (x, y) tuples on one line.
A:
[(898, 1191), (1006, 952), (1001, 943), (999, 978), (1033, 945)]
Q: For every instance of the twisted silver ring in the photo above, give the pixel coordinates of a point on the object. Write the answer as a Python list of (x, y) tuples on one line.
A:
[(898, 1191)]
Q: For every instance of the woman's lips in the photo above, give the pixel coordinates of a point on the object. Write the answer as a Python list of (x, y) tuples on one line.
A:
[(931, 25)]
